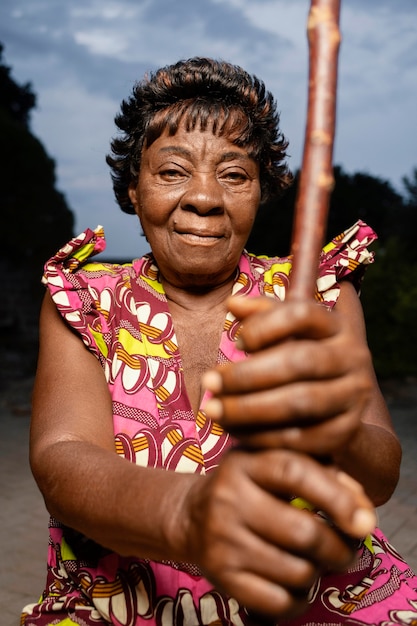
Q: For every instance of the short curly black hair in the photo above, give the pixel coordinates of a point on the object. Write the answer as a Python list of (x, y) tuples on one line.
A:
[(205, 92)]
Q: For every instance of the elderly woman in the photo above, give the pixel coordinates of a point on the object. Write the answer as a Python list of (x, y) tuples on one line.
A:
[(173, 425)]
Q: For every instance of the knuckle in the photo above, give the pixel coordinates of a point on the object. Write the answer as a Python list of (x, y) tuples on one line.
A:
[(252, 334), (232, 372), (309, 537), (300, 359), (363, 381), (303, 403), (301, 312), (306, 574), (289, 470), (359, 353)]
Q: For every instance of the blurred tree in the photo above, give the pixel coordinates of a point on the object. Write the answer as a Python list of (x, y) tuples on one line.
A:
[(17, 100), (362, 196), (34, 216), (389, 299), (410, 185), (355, 196), (407, 227), (271, 234), (389, 296)]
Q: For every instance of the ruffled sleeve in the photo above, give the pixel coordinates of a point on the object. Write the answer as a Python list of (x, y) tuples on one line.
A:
[(82, 291), (344, 258)]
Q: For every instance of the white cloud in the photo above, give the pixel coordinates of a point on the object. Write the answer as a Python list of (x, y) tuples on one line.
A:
[(100, 41)]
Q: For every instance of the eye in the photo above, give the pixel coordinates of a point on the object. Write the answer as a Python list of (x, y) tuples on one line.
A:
[(171, 174), (234, 176), (237, 176)]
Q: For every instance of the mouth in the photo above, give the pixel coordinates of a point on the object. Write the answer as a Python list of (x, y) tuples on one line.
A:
[(198, 237)]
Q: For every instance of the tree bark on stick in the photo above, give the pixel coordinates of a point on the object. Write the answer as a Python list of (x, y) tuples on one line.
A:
[(316, 176)]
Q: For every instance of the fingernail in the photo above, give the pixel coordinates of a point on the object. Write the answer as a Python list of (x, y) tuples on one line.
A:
[(212, 381), (214, 409), (364, 522)]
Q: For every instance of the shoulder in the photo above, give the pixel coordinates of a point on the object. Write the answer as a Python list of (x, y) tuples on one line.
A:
[(345, 257), (90, 295), (72, 269)]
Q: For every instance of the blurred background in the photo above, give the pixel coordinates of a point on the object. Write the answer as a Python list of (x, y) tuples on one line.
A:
[(64, 69)]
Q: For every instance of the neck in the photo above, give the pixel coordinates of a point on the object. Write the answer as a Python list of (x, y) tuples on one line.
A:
[(198, 297)]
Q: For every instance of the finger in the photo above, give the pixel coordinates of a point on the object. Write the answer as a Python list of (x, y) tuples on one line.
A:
[(288, 472), (243, 306), (274, 539), (319, 440), (291, 361), (296, 544), (265, 597), (264, 547), (274, 321), (297, 404)]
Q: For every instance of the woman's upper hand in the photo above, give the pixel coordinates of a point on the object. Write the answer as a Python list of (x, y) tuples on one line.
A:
[(252, 544), (305, 385)]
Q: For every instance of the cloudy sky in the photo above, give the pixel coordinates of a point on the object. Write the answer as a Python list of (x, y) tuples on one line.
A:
[(82, 58)]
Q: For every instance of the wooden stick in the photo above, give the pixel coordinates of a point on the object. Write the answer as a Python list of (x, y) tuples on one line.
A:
[(316, 176)]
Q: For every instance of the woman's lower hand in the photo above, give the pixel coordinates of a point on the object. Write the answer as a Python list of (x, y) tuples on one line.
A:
[(252, 544), (305, 384)]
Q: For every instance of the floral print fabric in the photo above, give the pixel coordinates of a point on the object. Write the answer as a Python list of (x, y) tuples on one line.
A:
[(122, 316)]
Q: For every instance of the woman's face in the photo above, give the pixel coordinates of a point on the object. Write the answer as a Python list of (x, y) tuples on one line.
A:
[(197, 196)]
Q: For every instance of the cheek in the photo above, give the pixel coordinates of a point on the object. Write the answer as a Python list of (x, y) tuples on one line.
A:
[(155, 206), (149, 212), (245, 218)]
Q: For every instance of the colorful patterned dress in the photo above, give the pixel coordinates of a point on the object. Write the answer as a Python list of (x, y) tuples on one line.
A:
[(122, 316)]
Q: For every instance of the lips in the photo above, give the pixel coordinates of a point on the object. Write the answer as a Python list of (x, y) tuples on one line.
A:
[(198, 235)]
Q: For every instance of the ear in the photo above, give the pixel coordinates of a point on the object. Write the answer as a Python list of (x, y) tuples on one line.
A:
[(133, 196)]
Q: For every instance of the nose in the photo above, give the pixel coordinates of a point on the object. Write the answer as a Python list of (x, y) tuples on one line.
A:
[(203, 195)]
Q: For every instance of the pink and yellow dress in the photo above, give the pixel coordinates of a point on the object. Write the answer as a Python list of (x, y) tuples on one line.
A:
[(121, 314)]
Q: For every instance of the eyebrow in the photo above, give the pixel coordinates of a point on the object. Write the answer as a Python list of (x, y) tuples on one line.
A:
[(227, 156), (176, 150)]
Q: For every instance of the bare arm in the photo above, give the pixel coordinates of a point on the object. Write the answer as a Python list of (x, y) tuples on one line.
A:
[(373, 456), (86, 485)]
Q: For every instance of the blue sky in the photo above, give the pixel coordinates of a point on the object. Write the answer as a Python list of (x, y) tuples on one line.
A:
[(82, 58)]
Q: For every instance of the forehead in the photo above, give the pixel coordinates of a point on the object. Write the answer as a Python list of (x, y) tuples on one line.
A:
[(196, 145), (203, 115)]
